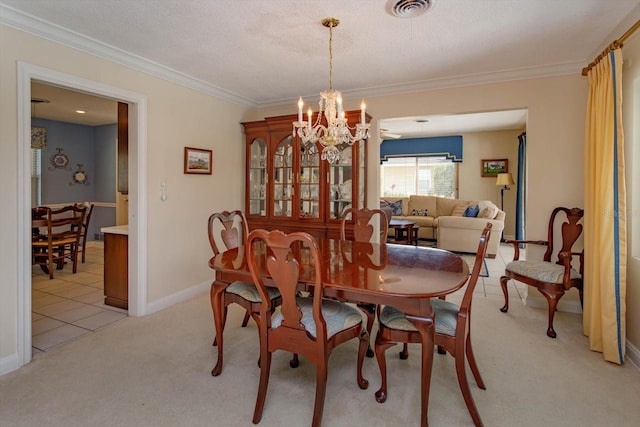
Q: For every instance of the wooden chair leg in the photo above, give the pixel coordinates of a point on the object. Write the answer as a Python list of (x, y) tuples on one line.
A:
[(381, 346), (224, 320), (265, 366), (246, 318), (321, 389), (466, 392), (472, 364), (505, 292), (295, 361), (404, 354), (552, 299), (362, 350), (370, 311)]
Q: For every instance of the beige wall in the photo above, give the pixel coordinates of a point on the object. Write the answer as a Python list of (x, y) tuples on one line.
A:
[(490, 145), (177, 246), (631, 121)]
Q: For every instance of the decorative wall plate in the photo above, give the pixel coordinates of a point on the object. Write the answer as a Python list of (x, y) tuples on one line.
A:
[(80, 176), (59, 160)]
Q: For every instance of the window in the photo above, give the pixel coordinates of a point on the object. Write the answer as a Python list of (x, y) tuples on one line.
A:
[(428, 176), (36, 178)]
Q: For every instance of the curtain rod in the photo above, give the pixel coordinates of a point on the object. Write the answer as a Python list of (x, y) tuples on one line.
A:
[(616, 44)]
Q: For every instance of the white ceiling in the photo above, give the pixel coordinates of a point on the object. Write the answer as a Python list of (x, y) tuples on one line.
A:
[(267, 53)]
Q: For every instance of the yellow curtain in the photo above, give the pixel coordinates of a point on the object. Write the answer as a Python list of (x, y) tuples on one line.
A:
[(605, 227)]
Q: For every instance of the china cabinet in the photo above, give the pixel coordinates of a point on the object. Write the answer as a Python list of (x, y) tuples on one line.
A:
[(289, 187)]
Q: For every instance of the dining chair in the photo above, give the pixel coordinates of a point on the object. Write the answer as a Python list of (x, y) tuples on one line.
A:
[(85, 229), (61, 241), (452, 333), (228, 230), (551, 279), (311, 326), (363, 231), (363, 224)]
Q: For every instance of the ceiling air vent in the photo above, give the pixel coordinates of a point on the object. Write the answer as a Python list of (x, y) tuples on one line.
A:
[(408, 8)]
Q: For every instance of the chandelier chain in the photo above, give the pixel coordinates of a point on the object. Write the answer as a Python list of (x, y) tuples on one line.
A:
[(330, 55)]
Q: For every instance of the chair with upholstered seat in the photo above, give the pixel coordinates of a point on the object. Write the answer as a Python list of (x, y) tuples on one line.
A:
[(452, 333), (551, 279), (363, 231), (228, 230), (61, 241), (311, 326)]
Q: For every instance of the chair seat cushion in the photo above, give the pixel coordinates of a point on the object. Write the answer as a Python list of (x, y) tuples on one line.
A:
[(446, 314), (540, 270), (249, 291), (337, 315)]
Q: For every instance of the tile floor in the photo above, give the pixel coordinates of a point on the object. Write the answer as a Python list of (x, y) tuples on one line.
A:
[(70, 305)]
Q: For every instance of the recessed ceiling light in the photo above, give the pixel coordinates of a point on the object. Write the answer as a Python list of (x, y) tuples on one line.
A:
[(408, 8), (81, 112)]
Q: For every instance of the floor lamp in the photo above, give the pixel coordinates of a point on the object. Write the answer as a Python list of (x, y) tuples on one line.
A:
[(504, 179)]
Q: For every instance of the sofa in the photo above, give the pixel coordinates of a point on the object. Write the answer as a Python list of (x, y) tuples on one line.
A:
[(454, 224)]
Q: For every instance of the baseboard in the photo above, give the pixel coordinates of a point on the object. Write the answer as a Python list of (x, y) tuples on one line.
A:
[(9, 363), (178, 297), (633, 355)]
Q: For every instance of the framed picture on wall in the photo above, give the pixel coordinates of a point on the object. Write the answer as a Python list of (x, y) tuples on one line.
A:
[(198, 161), (492, 167)]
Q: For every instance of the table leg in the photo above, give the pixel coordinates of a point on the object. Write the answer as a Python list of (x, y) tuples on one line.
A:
[(217, 306), (425, 327), (410, 234)]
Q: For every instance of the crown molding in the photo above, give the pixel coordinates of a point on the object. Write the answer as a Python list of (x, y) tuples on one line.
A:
[(66, 37), (58, 34), (448, 83)]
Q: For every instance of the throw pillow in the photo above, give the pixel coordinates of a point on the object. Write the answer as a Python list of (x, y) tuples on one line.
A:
[(472, 211), (420, 212), (396, 207), (459, 209), (488, 212), (384, 203)]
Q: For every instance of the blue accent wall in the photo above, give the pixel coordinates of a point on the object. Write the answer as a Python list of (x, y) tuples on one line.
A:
[(95, 148), (449, 146)]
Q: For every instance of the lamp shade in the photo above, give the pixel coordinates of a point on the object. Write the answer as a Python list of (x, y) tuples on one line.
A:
[(505, 179)]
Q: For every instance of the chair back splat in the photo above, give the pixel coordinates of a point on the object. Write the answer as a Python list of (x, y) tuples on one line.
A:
[(551, 279), (363, 225), (311, 326)]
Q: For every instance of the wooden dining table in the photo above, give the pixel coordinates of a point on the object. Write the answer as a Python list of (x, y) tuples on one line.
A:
[(405, 277)]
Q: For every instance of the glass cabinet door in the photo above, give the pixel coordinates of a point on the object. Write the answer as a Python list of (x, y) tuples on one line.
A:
[(258, 177), (283, 191), (341, 183), (309, 184)]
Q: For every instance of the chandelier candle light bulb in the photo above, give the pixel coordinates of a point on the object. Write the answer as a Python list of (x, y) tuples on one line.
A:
[(337, 131)]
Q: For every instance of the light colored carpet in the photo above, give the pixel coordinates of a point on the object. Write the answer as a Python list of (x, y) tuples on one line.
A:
[(155, 371)]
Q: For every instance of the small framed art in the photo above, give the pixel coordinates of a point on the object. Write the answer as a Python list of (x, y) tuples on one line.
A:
[(198, 161), (492, 167)]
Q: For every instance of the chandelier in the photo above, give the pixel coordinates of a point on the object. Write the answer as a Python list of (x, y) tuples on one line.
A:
[(337, 130)]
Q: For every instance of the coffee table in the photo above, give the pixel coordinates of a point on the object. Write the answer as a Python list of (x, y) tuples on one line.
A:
[(405, 231)]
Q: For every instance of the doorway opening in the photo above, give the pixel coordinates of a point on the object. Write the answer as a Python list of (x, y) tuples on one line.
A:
[(137, 284), (86, 129)]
